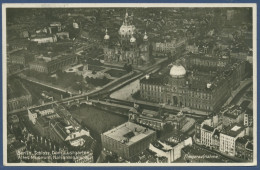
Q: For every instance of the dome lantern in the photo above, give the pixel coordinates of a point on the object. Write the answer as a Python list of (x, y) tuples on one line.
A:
[(145, 36), (132, 39)]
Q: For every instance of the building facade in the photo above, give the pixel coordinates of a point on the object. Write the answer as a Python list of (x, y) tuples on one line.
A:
[(207, 135), (127, 140), (198, 88), (228, 139)]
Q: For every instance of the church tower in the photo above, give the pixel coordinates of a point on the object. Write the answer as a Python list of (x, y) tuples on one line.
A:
[(145, 49), (107, 51)]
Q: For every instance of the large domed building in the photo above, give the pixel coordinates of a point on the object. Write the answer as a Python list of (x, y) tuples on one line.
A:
[(128, 50), (192, 89)]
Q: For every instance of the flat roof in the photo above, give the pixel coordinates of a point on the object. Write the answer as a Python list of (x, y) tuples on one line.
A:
[(233, 130), (121, 133)]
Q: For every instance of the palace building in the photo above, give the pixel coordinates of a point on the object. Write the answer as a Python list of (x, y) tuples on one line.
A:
[(201, 89), (127, 50)]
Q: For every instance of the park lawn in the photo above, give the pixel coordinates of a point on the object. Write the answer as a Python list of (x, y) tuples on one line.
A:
[(116, 73), (98, 81), (97, 120)]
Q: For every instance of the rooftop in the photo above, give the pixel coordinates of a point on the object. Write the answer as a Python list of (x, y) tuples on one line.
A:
[(242, 140), (232, 111), (208, 128), (129, 133), (155, 80), (150, 113), (233, 130)]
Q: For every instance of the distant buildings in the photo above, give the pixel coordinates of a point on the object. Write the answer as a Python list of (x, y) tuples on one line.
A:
[(21, 57), (128, 140), (44, 39), (127, 50), (54, 27), (166, 48), (18, 44), (63, 35), (17, 96)]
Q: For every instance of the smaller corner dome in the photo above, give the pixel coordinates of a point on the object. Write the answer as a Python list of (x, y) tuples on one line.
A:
[(145, 36), (132, 39), (177, 71), (106, 37)]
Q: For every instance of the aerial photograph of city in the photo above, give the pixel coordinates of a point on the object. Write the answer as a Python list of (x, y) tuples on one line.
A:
[(131, 85)]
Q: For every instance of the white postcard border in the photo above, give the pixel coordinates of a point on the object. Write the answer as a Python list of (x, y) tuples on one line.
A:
[(128, 5)]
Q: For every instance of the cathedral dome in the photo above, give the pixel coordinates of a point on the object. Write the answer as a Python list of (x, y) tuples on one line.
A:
[(126, 30), (177, 71)]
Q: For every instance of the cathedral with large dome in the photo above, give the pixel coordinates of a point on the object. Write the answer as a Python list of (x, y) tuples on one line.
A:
[(127, 50)]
